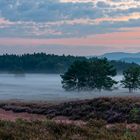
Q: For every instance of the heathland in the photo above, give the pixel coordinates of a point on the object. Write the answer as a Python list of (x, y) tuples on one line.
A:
[(97, 119)]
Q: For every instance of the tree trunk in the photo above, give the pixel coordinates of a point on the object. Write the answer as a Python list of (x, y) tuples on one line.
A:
[(130, 90)]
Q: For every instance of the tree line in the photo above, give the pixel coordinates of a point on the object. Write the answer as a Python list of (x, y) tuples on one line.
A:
[(37, 63), (43, 63), (97, 74)]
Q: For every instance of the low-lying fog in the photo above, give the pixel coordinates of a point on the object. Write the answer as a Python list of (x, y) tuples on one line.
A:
[(46, 87)]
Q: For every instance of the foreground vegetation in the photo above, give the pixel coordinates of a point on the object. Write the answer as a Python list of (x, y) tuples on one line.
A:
[(97, 119), (112, 110), (49, 130), (42, 63)]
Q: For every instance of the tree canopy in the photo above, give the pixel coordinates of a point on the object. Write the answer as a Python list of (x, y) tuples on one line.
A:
[(89, 75), (131, 78)]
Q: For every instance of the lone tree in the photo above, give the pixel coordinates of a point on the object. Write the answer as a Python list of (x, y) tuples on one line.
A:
[(89, 75), (131, 79)]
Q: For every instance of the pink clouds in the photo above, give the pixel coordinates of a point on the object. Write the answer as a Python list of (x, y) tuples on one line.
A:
[(128, 37), (5, 22), (125, 40), (124, 18)]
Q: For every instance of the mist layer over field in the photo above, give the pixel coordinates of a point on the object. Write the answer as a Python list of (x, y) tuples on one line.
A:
[(47, 87)]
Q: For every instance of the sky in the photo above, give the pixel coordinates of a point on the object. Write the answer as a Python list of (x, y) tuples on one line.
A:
[(75, 27)]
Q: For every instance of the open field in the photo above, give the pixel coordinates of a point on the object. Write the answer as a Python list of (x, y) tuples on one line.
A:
[(48, 87)]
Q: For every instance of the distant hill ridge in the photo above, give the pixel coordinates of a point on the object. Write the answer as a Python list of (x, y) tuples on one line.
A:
[(127, 57)]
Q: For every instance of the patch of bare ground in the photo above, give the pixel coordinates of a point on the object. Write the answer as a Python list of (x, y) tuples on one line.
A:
[(12, 116), (65, 120)]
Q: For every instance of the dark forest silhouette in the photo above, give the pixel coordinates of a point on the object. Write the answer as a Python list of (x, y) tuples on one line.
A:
[(43, 63)]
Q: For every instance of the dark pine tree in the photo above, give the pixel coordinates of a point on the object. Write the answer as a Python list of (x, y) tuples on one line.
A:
[(89, 75), (131, 78)]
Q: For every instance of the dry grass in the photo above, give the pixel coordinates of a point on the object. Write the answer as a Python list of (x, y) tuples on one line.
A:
[(97, 119), (49, 130)]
